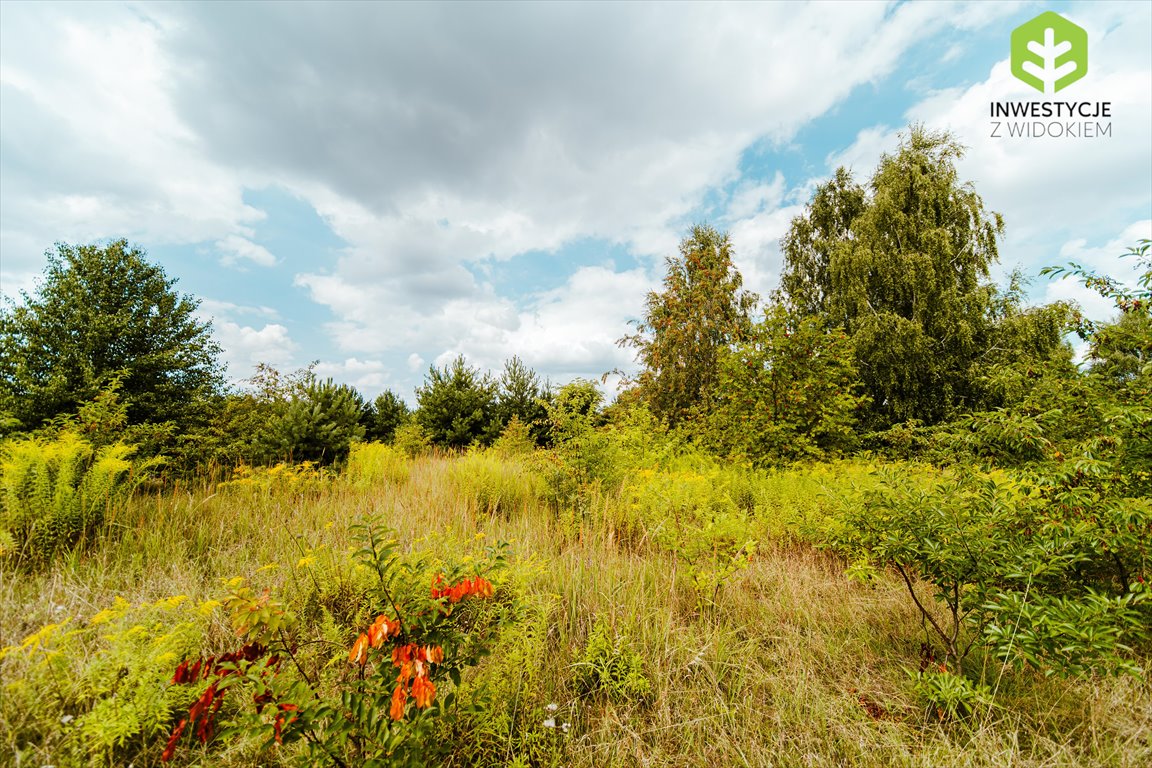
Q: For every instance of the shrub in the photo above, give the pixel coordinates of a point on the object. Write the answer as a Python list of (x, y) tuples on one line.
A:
[(290, 478), (1042, 573), (372, 462), (494, 483), (318, 424), (458, 405), (387, 701), (610, 667), (58, 492), (412, 440), (383, 416), (100, 690)]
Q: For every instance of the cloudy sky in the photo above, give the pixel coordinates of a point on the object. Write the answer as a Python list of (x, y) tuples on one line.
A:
[(381, 186)]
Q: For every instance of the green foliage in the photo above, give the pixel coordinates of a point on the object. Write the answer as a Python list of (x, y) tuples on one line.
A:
[(903, 266), (948, 695), (701, 311), (385, 703), (412, 440), (319, 423), (523, 398), (369, 463), (496, 484), (100, 312), (383, 416), (786, 393), (515, 440), (691, 514), (610, 667), (1045, 572), (104, 684), (458, 405), (57, 493)]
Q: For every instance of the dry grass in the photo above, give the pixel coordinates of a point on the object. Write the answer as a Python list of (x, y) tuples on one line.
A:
[(794, 664)]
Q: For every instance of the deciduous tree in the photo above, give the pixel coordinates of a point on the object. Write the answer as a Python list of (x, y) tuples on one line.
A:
[(701, 311)]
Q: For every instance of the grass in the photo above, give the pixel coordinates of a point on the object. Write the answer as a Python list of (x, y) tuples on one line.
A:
[(792, 663)]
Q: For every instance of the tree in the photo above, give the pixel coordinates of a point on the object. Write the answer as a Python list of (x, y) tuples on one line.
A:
[(903, 267), (457, 405), (319, 423), (786, 393), (103, 312), (522, 397), (701, 311), (384, 415)]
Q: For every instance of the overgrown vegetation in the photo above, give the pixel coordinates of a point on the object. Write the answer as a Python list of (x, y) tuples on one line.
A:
[(884, 520)]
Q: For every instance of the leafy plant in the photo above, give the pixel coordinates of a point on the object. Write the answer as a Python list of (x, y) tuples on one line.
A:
[(376, 704), (58, 492), (610, 667)]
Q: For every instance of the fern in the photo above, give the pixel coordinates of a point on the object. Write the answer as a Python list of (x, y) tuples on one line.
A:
[(57, 493)]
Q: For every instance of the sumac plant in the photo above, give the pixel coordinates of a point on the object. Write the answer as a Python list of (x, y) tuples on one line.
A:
[(382, 701)]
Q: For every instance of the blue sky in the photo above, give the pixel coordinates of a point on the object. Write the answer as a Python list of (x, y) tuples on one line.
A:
[(380, 187)]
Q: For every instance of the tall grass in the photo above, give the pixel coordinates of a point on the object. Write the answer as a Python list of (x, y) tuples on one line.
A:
[(794, 664)]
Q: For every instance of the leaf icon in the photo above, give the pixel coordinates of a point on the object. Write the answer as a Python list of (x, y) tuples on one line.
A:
[(1049, 52)]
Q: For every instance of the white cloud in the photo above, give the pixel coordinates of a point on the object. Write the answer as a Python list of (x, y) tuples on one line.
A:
[(92, 148), (1105, 260), (236, 249), (430, 155), (245, 346)]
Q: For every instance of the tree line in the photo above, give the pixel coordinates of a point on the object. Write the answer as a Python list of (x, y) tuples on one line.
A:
[(885, 333)]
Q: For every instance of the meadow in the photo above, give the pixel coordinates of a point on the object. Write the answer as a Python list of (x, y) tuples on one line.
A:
[(667, 609)]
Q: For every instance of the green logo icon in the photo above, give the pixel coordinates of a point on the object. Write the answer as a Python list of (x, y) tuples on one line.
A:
[(1049, 52)]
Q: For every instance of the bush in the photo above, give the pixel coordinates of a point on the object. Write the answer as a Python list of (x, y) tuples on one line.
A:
[(412, 440), (319, 424), (372, 462), (496, 485), (458, 405), (97, 693), (610, 667), (58, 493)]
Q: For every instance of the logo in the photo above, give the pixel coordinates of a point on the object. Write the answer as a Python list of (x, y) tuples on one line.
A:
[(1049, 52)]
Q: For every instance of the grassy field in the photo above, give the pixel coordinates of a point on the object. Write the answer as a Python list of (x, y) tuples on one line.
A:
[(754, 646)]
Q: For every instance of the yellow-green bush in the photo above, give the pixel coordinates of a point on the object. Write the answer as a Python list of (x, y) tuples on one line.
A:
[(496, 484), (280, 477), (96, 692), (57, 493), (372, 462)]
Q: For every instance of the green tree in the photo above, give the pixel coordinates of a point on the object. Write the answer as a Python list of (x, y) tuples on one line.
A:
[(522, 397), (457, 405), (701, 311), (383, 416), (102, 313), (788, 392), (319, 423), (902, 266)]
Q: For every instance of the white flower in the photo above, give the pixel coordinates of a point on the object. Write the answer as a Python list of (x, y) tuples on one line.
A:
[(552, 707), (550, 722)]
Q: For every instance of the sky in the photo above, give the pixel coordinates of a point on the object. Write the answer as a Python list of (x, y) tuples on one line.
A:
[(380, 187)]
